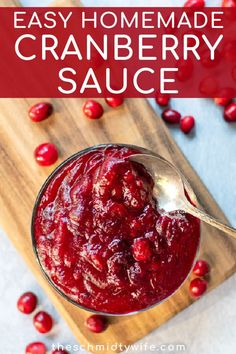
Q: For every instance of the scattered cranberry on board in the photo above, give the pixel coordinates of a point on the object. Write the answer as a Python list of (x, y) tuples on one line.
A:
[(201, 268), (96, 323), (114, 101), (229, 3), (36, 348), (187, 124), (46, 154), (222, 101), (27, 303), (230, 112), (60, 351), (43, 322), (40, 111), (162, 100), (93, 109), (195, 3), (141, 249), (197, 287), (171, 116)]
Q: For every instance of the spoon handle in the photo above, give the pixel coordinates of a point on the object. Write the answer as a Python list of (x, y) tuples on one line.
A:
[(210, 220)]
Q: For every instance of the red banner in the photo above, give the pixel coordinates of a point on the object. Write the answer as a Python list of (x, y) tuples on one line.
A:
[(133, 52)]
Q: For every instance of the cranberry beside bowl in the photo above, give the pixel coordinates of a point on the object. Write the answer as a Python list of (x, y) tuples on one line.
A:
[(100, 238)]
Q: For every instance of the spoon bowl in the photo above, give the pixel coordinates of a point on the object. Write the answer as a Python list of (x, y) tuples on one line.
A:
[(170, 190)]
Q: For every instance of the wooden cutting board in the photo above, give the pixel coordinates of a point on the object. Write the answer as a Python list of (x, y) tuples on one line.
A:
[(133, 123)]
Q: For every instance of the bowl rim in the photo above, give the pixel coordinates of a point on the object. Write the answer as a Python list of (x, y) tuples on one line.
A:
[(33, 239)]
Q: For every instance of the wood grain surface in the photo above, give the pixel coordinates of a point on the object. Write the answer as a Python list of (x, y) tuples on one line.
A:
[(133, 123)]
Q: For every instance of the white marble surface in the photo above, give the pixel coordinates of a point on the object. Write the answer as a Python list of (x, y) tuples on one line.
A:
[(209, 325)]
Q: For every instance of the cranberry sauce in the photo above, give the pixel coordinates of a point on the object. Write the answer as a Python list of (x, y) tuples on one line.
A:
[(101, 238)]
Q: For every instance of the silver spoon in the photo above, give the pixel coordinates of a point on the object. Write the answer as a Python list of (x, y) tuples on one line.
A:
[(169, 189)]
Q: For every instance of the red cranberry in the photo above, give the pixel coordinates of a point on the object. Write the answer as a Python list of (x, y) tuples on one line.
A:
[(27, 303), (230, 112), (222, 101), (141, 249), (40, 111), (201, 268), (114, 101), (229, 3), (197, 287), (162, 100), (96, 323), (195, 3), (36, 348), (46, 154), (60, 351), (93, 109), (186, 124), (171, 116), (43, 322)]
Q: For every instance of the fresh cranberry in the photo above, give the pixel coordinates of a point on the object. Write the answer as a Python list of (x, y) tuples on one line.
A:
[(229, 3), (230, 112), (114, 101), (186, 124), (36, 348), (60, 351), (195, 3), (201, 268), (27, 303), (222, 101), (46, 154), (171, 116), (96, 323), (40, 111), (93, 109), (162, 100), (141, 249), (197, 287), (43, 322)]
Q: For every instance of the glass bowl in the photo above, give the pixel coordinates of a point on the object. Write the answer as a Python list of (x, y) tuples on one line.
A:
[(188, 189)]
